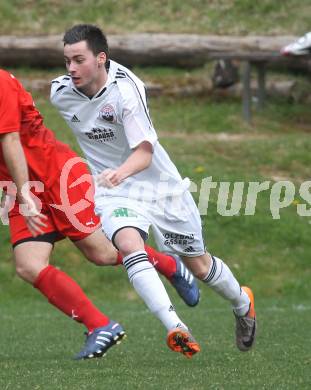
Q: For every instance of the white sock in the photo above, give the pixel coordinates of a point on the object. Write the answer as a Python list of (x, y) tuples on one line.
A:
[(150, 288), (221, 280)]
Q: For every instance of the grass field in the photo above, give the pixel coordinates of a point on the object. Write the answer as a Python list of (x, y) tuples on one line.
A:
[(37, 344), (193, 16), (273, 256)]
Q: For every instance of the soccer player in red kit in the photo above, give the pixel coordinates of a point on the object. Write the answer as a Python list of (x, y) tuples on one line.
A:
[(32, 166), (29, 152)]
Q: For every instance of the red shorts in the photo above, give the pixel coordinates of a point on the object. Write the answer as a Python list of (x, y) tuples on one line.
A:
[(68, 204)]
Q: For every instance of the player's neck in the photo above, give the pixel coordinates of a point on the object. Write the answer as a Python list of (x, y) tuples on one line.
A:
[(96, 85)]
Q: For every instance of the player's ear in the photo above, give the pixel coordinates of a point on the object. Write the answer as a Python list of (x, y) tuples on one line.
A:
[(101, 59)]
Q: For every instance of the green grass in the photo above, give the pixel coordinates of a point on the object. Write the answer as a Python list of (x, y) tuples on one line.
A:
[(273, 256), (37, 344), (193, 16)]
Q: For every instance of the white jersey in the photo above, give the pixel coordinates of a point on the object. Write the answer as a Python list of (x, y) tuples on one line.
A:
[(112, 123)]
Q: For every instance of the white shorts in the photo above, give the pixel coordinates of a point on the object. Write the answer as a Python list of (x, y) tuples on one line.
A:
[(175, 221)]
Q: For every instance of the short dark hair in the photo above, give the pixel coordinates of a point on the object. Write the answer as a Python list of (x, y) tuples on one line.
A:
[(93, 35)]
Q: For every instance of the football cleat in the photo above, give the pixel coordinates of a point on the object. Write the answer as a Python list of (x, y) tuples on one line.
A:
[(181, 340), (246, 325), (301, 46), (185, 283), (100, 340)]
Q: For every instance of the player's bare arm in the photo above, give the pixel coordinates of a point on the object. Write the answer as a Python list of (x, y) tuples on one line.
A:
[(139, 160), (15, 160), (5, 203)]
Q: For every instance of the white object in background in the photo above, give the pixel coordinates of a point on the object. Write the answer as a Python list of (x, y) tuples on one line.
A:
[(300, 47)]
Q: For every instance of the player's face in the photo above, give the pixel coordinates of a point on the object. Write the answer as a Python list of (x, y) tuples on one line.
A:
[(86, 69)]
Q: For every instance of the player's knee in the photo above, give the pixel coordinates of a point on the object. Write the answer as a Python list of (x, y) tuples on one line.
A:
[(128, 241), (129, 246), (200, 273), (27, 272), (200, 266)]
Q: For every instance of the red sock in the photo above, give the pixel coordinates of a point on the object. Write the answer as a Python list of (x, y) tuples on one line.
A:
[(64, 293), (119, 259), (162, 262)]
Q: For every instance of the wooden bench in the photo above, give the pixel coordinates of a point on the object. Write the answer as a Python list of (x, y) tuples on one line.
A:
[(176, 50)]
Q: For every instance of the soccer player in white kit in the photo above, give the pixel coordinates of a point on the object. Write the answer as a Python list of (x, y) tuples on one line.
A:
[(137, 185)]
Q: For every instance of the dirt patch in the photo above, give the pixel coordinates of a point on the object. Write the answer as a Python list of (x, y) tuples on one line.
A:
[(222, 137), (276, 176)]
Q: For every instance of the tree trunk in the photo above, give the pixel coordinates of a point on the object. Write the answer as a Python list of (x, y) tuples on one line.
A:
[(177, 50)]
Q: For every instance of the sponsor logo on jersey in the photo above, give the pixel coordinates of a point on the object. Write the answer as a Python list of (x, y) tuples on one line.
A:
[(101, 135), (75, 119), (107, 113), (124, 212), (178, 239), (189, 249)]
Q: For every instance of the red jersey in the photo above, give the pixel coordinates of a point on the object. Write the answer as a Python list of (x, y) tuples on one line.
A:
[(44, 154)]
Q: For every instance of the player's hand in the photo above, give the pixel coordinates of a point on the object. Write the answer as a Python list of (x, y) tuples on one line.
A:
[(109, 178), (34, 219), (4, 208)]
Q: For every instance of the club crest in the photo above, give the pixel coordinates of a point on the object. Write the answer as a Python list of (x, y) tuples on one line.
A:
[(107, 113)]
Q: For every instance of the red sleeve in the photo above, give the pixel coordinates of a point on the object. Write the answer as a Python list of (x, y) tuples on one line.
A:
[(10, 115)]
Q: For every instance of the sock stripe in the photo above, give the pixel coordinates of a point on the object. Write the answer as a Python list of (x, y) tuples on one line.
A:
[(137, 262), (222, 266), (129, 258), (212, 272), (129, 262)]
